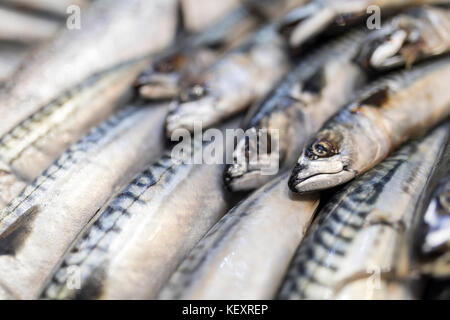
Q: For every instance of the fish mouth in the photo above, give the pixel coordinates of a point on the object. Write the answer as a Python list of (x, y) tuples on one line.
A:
[(317, 181)]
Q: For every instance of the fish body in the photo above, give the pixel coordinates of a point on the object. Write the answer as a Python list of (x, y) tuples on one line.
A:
[(55, 8), (306, 23), (165, 76), (25, 28), (233, 83), (146, 231), (312, 92), (390, 112), (360, 245), (75, 54), (33, 144), (11, 56), (200, 14), (435, 248), (245, 255), (38, 227)]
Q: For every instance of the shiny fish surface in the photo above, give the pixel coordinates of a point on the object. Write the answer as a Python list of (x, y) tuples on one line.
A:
[(232, 84), (317, 17), (74, 55), (11, 56), (35, 143), (38, 227), (53, 7), (390, 112), (201, 14), (146, 231), (246, 253), (164, 78), (360, 244), (18, 26), (436, 245), (419, 33), (319, 85)]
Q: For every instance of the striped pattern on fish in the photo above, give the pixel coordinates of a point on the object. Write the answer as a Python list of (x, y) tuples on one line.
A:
[(376, 212), (389, 112), (245, 255), (38, 227)]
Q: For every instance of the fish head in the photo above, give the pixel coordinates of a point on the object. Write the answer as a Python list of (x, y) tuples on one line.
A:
[(194, 107), (325, 163), (256, 160), (161, 80), (404, 40)]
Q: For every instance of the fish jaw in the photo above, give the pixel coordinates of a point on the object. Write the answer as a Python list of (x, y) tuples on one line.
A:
[(314, 175)]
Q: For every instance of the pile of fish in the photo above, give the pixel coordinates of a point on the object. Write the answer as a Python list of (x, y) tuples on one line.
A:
[(354, 96)]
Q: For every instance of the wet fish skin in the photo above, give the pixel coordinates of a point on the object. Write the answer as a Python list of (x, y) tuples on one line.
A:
[(416, 34), (164, 78), (146, 231), (232, 84), (11, 56), (55, 8), (319, 85), (33, 144), (315, 18), (21, 27), (38, 227), (201, 14), (377, 212), (98, 45), (245, 255), (389, 113), (435, 248)]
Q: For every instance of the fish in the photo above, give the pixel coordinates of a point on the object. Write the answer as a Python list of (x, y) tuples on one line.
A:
[(232, 84), (201, 14), (183, 63), (391, 111), (164, 77), (435, 244), (360, 245), (418, 33), (245, 255), (49, 8), (11, 56), (74, 55), (146, 231), (308, 22), (25, 28), (36, 142), (38, 226), (301, 102)]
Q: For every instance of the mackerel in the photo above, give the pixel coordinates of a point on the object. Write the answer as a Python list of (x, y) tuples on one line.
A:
[(38, 227), (55, 8), (146, 231), (25, 28), (232, 84), (167, 75), (390, 112), (35, 143), (127, 30), (361, 244), (318, 17), (245, 255), (435, 248), (319, 85)]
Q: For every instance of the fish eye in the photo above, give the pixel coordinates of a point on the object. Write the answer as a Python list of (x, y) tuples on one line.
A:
[(323, 148)]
